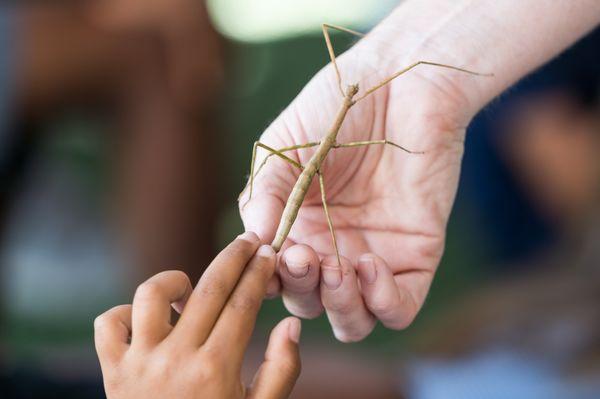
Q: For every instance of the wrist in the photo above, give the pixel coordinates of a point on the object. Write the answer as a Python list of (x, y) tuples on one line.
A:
[(416, 31), (508, 38)]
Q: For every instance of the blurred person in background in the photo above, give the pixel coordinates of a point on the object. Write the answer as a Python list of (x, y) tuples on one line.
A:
[(153, 76), (158, 72)]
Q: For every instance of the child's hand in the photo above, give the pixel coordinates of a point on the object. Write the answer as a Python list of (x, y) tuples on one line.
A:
[(144, 356)]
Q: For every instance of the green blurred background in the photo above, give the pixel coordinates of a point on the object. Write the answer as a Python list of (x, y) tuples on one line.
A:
[(64, 262)]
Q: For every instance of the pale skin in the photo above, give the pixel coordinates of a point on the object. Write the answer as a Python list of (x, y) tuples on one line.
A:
[(386, 204), (143, 354), (390, 209), (350, 96)]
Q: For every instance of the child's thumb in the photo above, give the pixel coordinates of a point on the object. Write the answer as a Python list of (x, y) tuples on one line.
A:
[(281, 368)]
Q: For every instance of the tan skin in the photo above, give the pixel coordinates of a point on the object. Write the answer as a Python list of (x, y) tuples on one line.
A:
[(144, 355)]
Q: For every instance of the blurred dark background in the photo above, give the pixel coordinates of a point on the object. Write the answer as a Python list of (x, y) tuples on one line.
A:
[(125, 137)]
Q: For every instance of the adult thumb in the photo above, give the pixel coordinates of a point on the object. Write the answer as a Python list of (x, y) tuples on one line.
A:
[(261, 214)]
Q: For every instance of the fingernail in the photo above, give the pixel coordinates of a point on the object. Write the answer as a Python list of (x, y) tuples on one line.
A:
[(294, 329), (332, 277), (248, 236), (297, 269), (366, 270), (266, 251)]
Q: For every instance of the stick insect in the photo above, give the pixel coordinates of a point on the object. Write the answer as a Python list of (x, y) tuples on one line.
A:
[(313, 167)]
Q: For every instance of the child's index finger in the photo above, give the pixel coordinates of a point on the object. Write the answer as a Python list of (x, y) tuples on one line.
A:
[(214, 288), (234, 328)]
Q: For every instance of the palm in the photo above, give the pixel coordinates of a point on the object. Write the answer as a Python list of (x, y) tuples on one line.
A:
[(382, 200)]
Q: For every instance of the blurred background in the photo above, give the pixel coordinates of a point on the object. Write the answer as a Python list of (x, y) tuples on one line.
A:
[(125, 136)]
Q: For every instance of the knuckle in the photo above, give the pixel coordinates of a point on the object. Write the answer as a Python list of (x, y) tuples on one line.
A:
[(211, 365), (354, 332), (213, 287), (240, 249), (400, 323), (306, 313), (302, 310), (382, 307), (209, 371), (162, 365), (345, 337), (178, 275), (351, 336), (102, 321), (299, 286), (340, 307), (263, 266), (148, 291), (110, 317), (244, 303), (290, 367), (211, 354), (311, 314), (403, 316)]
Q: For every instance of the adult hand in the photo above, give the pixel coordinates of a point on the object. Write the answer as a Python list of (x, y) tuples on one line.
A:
[(389, 208), (143, 355)]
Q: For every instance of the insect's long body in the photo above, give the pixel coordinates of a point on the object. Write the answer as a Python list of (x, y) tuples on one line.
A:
[(313, 167), (329, 142)]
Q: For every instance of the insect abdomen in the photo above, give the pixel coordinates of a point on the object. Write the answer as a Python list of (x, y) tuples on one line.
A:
[(290, 212)]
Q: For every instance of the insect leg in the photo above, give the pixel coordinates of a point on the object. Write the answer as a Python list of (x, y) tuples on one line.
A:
[(416, 64), (272, 151), (326, 28), (285, 149), (375, 142), (328, 216)]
